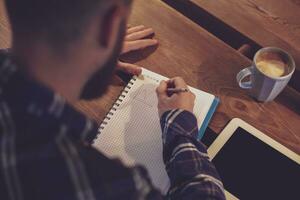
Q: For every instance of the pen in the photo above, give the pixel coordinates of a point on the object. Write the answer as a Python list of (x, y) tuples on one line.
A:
[(177, 90)]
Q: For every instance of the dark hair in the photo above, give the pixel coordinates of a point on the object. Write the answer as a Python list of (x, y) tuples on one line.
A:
[(57, 21)]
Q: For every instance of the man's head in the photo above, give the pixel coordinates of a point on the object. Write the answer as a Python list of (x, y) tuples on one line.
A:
[(82, 37)]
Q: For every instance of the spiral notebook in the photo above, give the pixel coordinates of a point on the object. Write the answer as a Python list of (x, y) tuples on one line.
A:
[(131, 130)]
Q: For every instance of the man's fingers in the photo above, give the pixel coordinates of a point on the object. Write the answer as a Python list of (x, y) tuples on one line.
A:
[(134, 39), (129, 68), (161, 90), (139, 44), (139, 34), (135, 29), (178, 82)]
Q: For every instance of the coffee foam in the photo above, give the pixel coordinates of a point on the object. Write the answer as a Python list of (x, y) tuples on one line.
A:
[(272, 64), (273, 68)]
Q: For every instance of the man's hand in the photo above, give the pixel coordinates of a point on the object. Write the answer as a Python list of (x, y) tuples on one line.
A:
[(135, 39), (183, 100)]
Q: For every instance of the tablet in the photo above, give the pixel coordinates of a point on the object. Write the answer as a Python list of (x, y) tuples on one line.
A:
[(253, 165)]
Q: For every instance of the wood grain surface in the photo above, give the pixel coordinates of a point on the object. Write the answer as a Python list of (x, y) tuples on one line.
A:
[(205, 62), (267, 22)]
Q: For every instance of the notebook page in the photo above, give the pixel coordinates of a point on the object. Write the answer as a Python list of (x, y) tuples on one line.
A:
[(133, 133), (203, 100)]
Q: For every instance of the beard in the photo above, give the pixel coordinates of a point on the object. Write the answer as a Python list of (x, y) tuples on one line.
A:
[(97, 85)]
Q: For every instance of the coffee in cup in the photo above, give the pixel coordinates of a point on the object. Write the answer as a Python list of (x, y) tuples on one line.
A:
[(272, 64), (270, 72)]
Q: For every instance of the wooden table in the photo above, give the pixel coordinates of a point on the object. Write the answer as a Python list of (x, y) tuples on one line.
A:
[(206, 62), (257, 23)]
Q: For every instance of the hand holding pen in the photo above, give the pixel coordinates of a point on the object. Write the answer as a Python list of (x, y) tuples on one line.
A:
[(174, 94)]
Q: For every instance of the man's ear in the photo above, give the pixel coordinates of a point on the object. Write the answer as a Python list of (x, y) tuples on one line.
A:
[(110, 26)]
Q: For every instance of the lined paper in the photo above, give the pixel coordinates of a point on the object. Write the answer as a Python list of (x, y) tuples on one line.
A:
[(133, 132)]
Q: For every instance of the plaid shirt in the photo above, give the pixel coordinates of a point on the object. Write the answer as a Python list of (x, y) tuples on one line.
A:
[(45, 151)]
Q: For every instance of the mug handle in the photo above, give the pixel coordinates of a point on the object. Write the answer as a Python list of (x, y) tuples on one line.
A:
[(243, 74)]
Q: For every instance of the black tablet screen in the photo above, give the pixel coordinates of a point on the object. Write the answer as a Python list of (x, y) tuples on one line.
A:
[(251, 169)]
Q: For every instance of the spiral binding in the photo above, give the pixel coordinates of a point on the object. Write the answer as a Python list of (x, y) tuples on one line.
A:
[(116, 105)]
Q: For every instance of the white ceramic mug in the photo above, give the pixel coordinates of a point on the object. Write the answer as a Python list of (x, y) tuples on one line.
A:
[(261, 86)]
